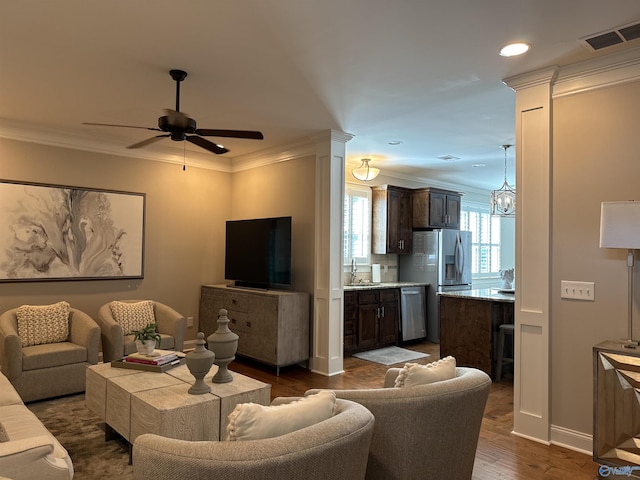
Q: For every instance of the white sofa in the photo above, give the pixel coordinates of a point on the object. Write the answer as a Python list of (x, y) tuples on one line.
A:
[(27, 449)]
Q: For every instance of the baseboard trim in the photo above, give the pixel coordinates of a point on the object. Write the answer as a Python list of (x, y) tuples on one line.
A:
[(571, 439)]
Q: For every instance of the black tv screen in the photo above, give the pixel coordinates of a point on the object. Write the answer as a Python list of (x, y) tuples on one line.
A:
[(258, 252)]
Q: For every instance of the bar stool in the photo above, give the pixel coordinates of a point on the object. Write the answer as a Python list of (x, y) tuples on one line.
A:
[(504, 329)]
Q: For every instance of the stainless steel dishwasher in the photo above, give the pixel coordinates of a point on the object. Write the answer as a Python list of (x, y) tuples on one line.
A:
[(413, 312)]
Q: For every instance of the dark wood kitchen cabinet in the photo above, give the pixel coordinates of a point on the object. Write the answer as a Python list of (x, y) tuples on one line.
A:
[(435, 208), (391, 219), (370, 319)]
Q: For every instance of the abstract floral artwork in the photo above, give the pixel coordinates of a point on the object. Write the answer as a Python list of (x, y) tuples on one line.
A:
[(50, 232)]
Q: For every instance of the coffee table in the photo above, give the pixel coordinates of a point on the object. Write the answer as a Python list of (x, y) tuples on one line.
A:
[(133, 402)]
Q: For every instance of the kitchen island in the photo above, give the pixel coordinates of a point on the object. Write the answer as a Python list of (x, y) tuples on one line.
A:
[(469, 322)]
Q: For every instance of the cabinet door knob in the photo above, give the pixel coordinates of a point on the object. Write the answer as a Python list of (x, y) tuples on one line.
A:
[(248, 324), (233, 320)]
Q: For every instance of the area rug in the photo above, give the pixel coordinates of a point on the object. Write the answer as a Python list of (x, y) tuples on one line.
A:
[(390, 355), (82, 434)]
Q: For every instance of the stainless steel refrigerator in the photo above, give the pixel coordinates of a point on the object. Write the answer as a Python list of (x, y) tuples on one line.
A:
[(441, 258)]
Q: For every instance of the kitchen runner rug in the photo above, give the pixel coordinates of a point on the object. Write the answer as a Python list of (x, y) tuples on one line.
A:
[(390, 355)]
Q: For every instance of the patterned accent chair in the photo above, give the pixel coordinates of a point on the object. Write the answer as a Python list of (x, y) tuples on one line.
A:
[(45, 349), (118, 318)]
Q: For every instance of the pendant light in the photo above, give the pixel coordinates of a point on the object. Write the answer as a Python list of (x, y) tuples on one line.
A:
[(364, 172), (503, 200)]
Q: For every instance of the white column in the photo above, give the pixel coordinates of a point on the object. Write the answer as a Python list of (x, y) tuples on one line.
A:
[(531, 395), (328, 308)]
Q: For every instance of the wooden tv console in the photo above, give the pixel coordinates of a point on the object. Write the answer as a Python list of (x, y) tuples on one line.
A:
[(273, 325)]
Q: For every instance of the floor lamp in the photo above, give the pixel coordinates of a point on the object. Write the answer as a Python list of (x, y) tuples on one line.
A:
[(620, 228)]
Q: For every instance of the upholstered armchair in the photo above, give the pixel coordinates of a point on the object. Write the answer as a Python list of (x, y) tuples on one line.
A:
[(44, 350), (425, 431), (118, 318), (331, 449)]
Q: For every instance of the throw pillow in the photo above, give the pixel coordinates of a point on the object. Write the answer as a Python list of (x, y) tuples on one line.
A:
[(250, 421), (413, 374), (132, 315), (38, 324)]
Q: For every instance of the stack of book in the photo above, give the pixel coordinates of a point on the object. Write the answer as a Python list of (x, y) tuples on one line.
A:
[(157, 361), (157, 357)]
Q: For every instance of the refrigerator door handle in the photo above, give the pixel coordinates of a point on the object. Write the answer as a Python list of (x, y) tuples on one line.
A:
[(459, 256)]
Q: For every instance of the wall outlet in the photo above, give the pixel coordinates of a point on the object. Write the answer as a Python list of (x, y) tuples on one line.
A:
[(578, 290), (189, 322)]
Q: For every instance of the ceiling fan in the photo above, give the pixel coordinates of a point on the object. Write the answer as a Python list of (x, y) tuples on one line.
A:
[(179, 126)]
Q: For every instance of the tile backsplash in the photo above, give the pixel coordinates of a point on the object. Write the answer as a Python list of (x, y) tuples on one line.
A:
[(388, 270)]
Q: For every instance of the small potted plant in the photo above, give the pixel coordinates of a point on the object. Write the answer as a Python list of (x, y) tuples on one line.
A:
[(146, 339)]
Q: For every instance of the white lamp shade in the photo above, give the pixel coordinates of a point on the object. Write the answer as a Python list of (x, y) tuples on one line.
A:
[(620, 225)]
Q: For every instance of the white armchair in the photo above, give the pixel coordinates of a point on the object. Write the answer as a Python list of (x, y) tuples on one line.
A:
[(425, 431), (50, 369), (334, 448), (116, 344)]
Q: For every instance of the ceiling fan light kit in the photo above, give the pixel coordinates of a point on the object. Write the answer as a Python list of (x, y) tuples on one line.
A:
[(503, 200), (180, 127), (364, 172)]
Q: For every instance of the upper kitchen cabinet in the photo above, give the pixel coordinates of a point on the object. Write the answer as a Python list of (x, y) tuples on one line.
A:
[(436, 208), (391, 224)]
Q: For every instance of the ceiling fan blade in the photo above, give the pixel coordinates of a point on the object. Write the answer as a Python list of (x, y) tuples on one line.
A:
[(148, 141), (206, 144), (125, 126), (205, 132)]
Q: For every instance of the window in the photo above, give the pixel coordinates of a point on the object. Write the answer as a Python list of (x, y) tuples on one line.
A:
[(485, 243), (357, 229)]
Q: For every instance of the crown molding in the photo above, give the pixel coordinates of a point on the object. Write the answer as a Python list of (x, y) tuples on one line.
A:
[(30, 133), (301, 148), (531, 79), (609, 70), (457, 187)]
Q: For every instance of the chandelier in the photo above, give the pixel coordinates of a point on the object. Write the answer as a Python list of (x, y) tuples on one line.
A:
[(364, 172), (503, 200)]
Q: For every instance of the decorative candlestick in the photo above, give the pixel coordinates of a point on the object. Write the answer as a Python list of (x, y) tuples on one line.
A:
[(199, 362), (224, 343)]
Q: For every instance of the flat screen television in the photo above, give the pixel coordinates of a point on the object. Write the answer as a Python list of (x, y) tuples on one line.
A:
[(258, 252)]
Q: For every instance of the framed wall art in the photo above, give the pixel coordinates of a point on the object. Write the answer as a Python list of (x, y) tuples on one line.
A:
[(51, 232)]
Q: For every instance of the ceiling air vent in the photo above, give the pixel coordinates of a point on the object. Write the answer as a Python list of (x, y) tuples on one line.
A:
[(613, 37)]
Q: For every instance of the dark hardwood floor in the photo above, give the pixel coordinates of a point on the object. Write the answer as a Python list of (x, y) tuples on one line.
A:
[(500, 455)]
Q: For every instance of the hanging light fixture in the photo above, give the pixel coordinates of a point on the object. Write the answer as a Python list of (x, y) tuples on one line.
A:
[(503, 200), (364, 172)]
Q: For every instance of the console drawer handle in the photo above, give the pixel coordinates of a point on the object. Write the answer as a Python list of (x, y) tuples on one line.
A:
[(248, 324)]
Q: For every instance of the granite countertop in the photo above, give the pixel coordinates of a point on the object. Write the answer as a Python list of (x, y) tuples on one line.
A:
[(490, 294), (377, 286)]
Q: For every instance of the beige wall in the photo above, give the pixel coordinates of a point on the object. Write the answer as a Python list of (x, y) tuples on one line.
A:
[(185, 221), (596, 149), (279, 190), (184, 235)]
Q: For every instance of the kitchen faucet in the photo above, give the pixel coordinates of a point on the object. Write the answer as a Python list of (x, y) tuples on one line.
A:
[(353, 271)]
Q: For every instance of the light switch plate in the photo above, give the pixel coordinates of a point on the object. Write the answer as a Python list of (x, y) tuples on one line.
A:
[(578, 290)]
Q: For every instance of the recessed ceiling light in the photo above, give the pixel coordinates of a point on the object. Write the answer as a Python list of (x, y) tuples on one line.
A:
[(395, 142), (514, 49)]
